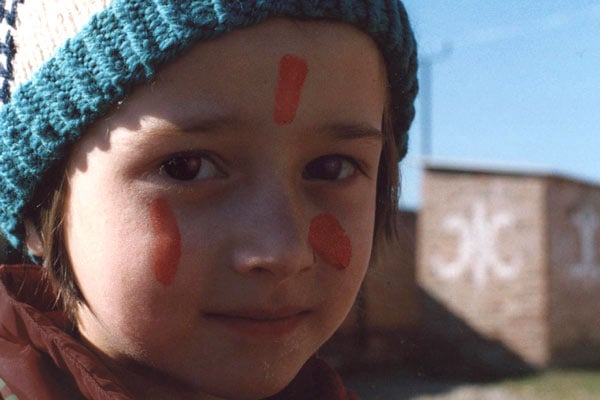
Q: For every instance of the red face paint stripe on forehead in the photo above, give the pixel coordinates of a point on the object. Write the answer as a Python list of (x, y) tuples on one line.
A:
[(292, 73), (329, 241), (167, 241)]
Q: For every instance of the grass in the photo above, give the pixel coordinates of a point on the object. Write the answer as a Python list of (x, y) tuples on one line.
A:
[(558, 384)]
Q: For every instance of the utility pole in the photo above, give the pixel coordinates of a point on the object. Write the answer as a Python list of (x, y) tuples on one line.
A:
[(425, 92)]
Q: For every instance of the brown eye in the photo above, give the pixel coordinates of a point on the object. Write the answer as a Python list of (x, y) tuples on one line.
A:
[(329, 168), (189, 167)]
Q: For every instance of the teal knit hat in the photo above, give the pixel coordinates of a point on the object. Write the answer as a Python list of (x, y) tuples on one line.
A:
[(65, 63)]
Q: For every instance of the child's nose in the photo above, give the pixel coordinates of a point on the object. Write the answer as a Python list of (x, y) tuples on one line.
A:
[(272, 239)]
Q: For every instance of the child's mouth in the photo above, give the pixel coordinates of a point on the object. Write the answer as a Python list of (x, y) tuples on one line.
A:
[(260, 323)]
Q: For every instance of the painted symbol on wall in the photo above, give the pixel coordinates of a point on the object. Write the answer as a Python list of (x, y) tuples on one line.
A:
[(478, 247), (587, 222)]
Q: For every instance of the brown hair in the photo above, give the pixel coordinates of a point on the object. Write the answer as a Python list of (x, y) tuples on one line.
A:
[(48, 217), (388, 183)]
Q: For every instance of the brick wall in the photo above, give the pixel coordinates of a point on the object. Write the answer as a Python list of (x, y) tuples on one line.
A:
[(573, 211), (390, 291), (515, 256), (481, 255)]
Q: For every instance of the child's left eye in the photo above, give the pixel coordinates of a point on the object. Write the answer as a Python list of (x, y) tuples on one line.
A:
[(330, 167), (190, 167)]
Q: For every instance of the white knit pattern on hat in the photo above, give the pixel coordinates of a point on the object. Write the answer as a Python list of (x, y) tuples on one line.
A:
[(41, 27)]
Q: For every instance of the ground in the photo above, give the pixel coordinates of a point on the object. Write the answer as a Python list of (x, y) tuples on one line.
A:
[(550, 385)]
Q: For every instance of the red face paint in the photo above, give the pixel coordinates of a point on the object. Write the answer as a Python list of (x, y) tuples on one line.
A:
[(167, 241), (292, 73), (329, 241)]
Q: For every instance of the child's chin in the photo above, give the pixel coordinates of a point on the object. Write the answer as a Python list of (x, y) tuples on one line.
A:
[(260, 383)]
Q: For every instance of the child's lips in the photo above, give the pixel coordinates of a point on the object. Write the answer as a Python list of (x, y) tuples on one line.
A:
[(260, 322)]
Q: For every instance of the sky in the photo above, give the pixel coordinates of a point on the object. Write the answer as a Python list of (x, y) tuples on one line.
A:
[(520, 86)]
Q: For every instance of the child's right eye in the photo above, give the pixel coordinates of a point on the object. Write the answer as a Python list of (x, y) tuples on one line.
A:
[(185, 167)]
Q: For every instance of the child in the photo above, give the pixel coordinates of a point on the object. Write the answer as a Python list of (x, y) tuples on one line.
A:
[(202, 182)]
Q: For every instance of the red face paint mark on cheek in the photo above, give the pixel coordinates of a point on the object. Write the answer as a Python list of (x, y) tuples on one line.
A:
[(329, 241), (167, 241), (292, 73)]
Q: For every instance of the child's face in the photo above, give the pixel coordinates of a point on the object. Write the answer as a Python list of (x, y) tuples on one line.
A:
[(220, 222)]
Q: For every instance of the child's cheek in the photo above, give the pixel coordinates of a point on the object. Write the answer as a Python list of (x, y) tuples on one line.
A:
[(292, 73), (329, 241), (166, 248)]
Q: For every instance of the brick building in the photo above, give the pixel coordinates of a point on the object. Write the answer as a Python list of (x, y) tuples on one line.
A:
[(509, 267)]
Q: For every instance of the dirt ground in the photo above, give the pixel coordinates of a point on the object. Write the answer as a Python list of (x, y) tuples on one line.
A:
[(422, 390), (404, 386)]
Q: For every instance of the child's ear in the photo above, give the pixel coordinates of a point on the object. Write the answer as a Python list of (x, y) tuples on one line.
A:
[(33, 240)]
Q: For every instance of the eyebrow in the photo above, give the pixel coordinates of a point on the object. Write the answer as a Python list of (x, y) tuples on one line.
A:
[(212, 126), (338, 131), (351, 131), (208, 125)]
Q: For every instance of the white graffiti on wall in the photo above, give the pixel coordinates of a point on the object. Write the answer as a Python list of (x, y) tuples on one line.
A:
[(477, 249), (587, 222)]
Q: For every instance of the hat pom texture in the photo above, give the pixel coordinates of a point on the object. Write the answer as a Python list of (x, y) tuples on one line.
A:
[(66, 63)]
